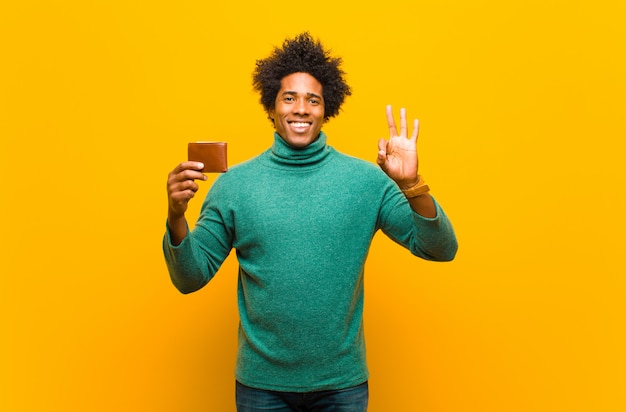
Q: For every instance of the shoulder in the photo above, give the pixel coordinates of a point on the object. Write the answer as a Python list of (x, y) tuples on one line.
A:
[(240, 170), (236, 180), (359, 168), (352, 161)]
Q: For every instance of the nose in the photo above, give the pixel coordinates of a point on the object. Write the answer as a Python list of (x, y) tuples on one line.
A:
[(300, 107)]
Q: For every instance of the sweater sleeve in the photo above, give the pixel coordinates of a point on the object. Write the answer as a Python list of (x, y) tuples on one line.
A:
[(194, 262), (429, 238)]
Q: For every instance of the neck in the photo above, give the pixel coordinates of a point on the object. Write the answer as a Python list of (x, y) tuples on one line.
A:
[(282, 152)]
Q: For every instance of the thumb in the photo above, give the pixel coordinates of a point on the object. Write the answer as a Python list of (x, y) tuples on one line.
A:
[(382, 152), (382, 145)]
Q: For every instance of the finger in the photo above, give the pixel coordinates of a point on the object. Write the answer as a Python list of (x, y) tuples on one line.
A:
[(192, 175), (182, 196), (416, 130), (188, 166), (382, 151), (187, 185), (382, 145), (179, 200), (381, 159), (403, 125), (392, 124), (182, 172), (182, 187)]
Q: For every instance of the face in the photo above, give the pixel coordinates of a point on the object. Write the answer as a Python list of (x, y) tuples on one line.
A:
[(299, 109)]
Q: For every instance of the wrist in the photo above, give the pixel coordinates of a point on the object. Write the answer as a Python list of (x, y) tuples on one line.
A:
[(407, 184), (177, 227), (418, 188), (175, 215)]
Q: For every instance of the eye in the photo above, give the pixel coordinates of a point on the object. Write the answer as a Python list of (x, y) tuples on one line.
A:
[(289, 99)]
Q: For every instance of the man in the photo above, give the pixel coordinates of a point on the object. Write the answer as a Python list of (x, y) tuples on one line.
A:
[(301, 217)]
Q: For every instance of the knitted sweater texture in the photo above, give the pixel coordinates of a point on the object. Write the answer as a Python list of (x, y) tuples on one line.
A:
[(301, 222)]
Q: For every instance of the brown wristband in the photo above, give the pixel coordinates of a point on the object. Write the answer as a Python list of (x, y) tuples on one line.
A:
[(418, 189)]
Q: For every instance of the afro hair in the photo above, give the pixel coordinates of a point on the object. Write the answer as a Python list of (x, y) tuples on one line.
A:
[(302, 54)]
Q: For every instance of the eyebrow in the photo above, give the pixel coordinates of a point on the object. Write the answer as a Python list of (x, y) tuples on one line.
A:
[(294, 93)]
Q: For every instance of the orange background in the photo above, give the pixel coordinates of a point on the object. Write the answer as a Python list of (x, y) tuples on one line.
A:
[(522, 106)]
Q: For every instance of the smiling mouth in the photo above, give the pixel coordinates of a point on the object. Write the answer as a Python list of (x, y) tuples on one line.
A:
[(299, 124)]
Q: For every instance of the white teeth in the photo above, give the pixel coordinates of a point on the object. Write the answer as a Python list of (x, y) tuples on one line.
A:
[(299, 124)]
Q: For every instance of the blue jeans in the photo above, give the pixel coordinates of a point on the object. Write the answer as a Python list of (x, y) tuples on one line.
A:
[(352, 399)]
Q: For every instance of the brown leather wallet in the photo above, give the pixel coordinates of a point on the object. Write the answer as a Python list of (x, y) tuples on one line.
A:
[(212, 154)]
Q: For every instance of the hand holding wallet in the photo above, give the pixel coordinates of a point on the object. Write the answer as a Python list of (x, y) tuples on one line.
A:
[(211, 154)]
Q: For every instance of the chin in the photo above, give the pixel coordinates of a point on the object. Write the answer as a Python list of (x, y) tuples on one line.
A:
[(300, 142)]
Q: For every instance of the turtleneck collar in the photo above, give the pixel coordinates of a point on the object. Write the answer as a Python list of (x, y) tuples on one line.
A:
[(285, 154)]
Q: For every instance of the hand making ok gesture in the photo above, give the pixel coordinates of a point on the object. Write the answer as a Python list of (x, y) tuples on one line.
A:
[(397, 156)]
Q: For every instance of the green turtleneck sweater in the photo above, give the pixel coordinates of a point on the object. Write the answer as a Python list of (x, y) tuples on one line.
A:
[(301, 222)]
